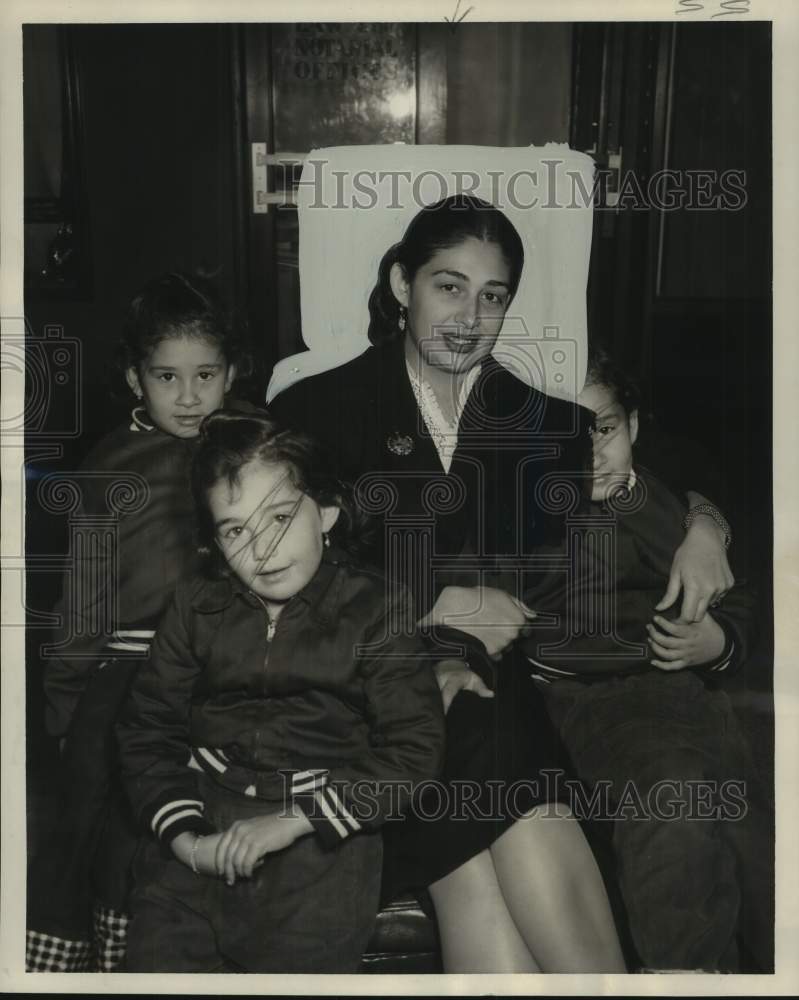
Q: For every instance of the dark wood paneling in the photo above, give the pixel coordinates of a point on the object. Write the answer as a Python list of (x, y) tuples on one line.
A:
[(719, 84), (509, 84), (262, 299), (683, 297), (431, 83), (160, 187)]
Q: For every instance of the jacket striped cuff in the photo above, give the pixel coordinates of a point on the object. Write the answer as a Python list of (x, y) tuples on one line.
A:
[(176, 816), (724, 661), (328, 815), (208, 759), (311, 781)]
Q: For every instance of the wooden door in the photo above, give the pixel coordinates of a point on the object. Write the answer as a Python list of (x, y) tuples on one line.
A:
[(305, 86)]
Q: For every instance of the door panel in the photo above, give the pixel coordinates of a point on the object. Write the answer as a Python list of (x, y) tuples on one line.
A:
[(313, 85)]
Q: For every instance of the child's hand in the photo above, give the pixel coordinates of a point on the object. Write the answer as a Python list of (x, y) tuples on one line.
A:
[(204, 855), (681, 644), (454, 676), (246, 841), (700, 569)]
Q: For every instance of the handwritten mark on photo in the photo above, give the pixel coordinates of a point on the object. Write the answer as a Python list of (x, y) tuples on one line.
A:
[(455, 19)]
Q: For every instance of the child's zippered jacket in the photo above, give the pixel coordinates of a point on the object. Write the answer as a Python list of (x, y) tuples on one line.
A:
[(614, 583), (315, 712)]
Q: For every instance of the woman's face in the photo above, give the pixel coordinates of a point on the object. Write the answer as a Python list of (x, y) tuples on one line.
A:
[(456, 303)]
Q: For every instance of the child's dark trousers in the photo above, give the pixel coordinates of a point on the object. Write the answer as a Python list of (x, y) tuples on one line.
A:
[(690, 825), (79, 881), (305, 910)]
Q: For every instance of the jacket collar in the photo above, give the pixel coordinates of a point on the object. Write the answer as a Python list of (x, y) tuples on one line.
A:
[(319, 594)]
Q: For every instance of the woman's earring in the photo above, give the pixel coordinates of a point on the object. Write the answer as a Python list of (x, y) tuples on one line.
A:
[(401, 321), (137, 393), (326, 538)]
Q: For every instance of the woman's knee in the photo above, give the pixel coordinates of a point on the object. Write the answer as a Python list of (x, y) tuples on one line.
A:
[(550, 810)]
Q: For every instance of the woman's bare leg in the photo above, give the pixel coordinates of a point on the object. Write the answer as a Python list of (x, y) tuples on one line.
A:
[(554, 893), (477, 931)]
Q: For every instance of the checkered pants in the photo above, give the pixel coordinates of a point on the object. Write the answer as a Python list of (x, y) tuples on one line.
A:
[(46, 953), (104, 953)]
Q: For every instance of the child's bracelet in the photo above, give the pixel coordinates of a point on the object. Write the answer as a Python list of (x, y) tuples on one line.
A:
[(711, 511), (193, 853)]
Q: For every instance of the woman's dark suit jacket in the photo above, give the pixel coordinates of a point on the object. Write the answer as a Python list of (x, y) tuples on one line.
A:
[(488, 506)]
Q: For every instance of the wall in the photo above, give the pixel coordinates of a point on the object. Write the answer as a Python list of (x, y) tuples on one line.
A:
[(158, 154)]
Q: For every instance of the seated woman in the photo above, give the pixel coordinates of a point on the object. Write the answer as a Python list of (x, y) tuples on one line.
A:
[(437, 433)]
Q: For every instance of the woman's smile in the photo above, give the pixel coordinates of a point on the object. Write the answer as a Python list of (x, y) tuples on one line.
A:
[(459, 341)]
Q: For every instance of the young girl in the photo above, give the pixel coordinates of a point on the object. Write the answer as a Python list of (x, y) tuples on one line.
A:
[(638, 700), (285, 712), (179, 359)]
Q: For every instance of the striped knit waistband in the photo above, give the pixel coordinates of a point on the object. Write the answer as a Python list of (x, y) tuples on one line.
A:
[(549, 674), (542, 671), (134, 640), (247, 781), (328, 809)]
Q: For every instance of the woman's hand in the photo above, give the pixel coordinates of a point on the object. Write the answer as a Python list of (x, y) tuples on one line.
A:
[(681, 644), (454, 676), (700, 569), (488, 614), (242, 846)]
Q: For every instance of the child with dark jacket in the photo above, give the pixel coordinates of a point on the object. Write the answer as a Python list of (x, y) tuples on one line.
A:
[(135, 537), (637, 699), (284, 714)]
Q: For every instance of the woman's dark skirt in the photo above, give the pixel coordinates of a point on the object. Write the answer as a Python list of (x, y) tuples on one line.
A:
[(503, 758)]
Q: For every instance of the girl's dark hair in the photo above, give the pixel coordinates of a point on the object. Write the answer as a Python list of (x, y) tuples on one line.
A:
[(604, 370), (175, 305), (230, 439), (439, 227)]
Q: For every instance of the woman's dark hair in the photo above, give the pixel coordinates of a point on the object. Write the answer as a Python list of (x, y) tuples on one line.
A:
[(175, 305), (439, 227), (604, 370), (230, 439)]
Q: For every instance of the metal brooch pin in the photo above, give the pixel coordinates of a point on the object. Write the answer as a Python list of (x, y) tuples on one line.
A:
[(399, 444)]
